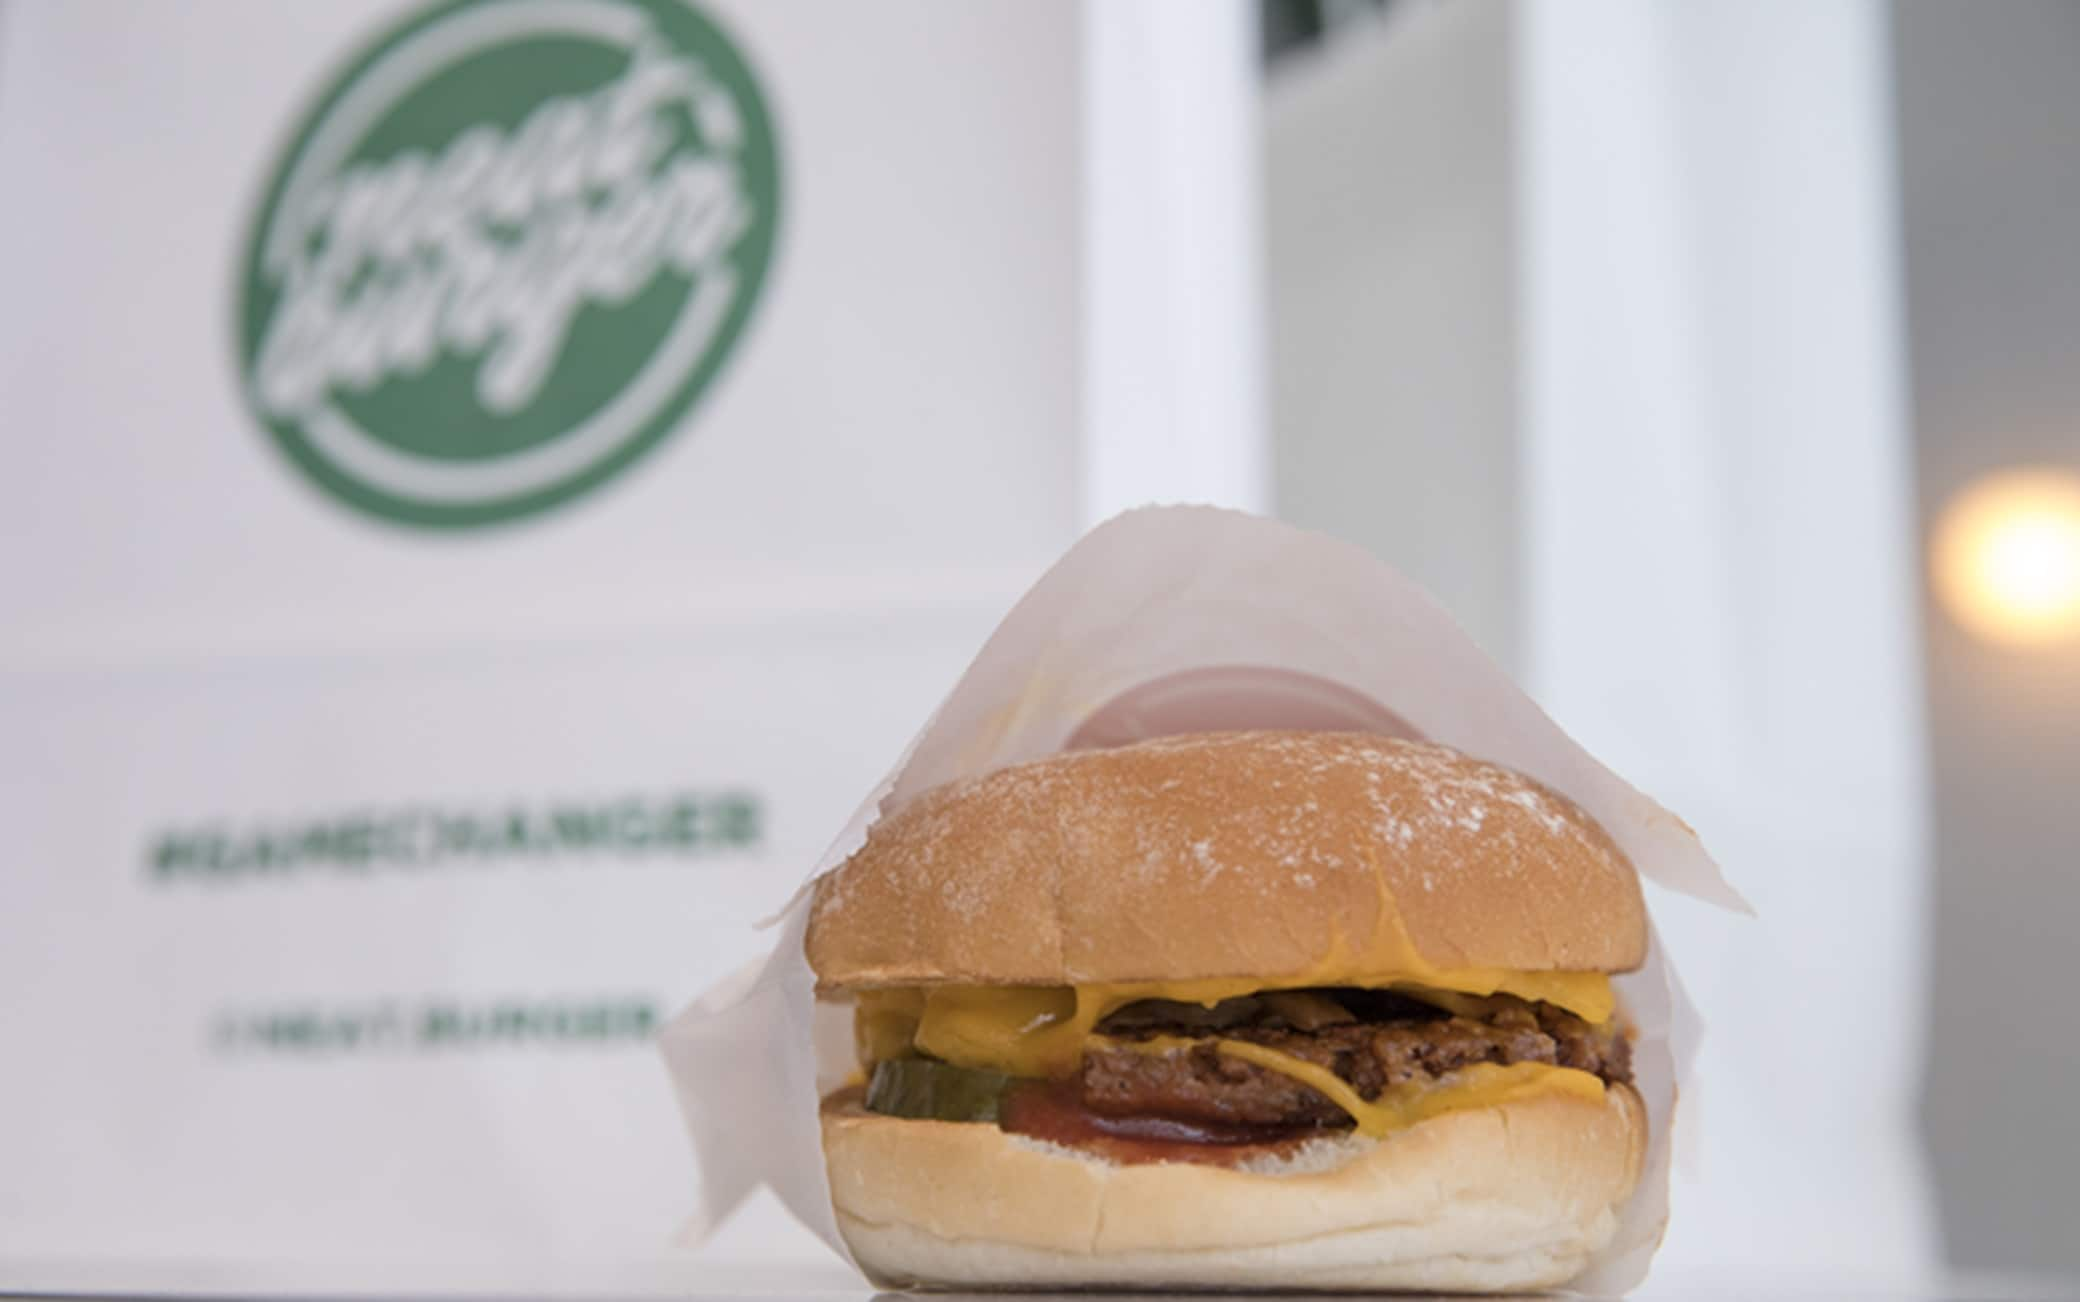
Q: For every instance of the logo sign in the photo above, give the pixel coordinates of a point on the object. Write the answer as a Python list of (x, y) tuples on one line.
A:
[(505, 253)]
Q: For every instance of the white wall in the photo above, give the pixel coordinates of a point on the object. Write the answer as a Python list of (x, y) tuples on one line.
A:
[(1173, 340), (1718, 551), (1389, 215)]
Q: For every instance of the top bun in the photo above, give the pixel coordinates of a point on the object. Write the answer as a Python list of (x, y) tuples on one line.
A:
[(1259, 855)]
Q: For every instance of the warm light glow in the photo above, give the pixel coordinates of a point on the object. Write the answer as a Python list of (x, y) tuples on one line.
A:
[(2007, 556)]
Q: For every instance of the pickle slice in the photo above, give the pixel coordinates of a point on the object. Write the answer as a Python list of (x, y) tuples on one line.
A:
[(935, 1091)]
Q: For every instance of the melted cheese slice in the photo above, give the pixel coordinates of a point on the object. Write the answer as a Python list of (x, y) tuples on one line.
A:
[(1484, 1085), (1042, 1030)]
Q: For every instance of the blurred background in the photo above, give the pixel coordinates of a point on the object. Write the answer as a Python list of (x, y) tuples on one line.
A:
[(489, 485)]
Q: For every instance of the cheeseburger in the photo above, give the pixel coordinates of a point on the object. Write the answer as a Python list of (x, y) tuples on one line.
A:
[(1246, 1009)]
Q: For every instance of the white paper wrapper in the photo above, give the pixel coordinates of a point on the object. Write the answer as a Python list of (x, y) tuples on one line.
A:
[(1165, 620)]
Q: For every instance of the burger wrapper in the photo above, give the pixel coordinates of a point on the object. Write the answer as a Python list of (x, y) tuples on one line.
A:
[(1167, 620)]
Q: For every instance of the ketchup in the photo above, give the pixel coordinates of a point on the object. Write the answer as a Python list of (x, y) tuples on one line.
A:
[(1055, 1112)]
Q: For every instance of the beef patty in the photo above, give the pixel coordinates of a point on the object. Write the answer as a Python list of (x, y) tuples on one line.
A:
[(1371, 1039)]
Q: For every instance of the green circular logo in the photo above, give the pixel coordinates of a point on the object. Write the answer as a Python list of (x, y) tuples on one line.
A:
[(507, 249)]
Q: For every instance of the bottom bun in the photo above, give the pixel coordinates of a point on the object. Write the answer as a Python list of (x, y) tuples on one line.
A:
[(1513, 1197)]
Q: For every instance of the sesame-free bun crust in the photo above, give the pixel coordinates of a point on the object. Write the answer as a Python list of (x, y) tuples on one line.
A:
[(1241, 854), (1513, 1197)]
